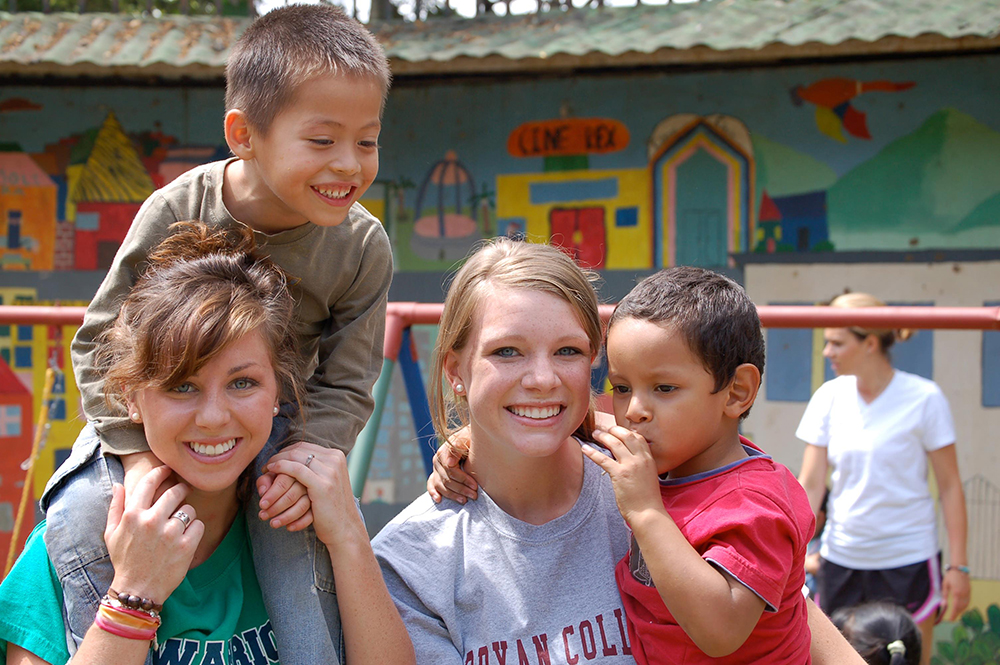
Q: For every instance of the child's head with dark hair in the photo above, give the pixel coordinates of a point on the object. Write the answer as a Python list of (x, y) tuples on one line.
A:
[(305, 90), (712, 313), (685, 357), (286, 47), (883, 633)]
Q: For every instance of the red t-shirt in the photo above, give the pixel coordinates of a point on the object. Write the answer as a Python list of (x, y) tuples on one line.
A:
[(751, 518)]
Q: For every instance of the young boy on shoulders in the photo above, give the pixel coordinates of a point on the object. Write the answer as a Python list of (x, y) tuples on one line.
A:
[(305, 90), (719, 530)]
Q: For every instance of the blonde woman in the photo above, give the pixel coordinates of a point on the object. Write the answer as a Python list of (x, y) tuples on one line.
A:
[(526, 572), (879, 428)]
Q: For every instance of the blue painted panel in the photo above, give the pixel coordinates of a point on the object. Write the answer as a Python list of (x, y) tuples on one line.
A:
[(511, 226), (61, 191), (626, 217), (10, 420), (57, 410), (991, 363), (25, 333), (573, 191), (88, 221), (788, 370), (61, 454), (22, 357), (916, 355)]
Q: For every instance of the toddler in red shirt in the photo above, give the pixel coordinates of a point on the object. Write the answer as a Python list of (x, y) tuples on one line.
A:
[(719, 530)]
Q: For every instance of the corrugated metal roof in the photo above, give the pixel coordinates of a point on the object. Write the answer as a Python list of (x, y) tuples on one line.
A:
[(708, 31)]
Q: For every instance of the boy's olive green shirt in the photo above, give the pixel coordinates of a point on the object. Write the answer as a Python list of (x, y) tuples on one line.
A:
[(339, 277)]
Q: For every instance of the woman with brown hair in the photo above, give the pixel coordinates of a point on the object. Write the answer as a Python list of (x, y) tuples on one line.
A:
[(201, 354)]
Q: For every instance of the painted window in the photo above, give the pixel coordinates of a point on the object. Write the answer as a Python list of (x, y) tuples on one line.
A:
[(57, 409), (22, 357), (625, 217), (25, 333), (88, 221), (10, 420)]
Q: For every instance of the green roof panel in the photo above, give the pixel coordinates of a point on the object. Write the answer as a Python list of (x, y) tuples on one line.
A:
[(178, 46)]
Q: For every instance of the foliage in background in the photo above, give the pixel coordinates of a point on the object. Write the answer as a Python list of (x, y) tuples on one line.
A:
[(973, 640)]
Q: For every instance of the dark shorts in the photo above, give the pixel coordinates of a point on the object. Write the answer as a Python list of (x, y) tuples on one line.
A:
[(917, 587)]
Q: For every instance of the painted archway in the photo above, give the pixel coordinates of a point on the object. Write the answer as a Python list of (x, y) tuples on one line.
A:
[(701, 174)]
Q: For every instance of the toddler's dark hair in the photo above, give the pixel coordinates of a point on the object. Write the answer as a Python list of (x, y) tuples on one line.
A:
[(713, 313), (883, 633)]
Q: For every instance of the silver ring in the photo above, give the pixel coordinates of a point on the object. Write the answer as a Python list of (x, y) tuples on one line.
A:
[(183, 517), (309, 459)]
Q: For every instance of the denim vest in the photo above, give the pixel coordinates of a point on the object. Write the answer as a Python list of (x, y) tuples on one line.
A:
[(76, 500)]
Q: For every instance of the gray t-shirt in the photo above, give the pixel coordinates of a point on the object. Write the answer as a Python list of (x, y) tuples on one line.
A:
[(474, 585)]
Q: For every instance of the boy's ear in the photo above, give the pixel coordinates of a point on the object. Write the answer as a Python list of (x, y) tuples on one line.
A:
[(742, 390), (238, 134)]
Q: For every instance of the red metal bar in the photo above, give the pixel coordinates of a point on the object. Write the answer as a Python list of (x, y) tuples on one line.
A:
[(951, 318), (402, 314), (33, 314)]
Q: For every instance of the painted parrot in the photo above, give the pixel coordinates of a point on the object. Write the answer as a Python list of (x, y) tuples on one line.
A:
[(832, 98)]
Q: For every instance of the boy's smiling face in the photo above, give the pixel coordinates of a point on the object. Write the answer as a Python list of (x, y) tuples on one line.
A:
[(662, 391), (317, 158)]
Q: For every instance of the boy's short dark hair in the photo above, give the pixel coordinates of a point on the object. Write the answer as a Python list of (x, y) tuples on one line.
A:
[(712, 312), (291, 44)]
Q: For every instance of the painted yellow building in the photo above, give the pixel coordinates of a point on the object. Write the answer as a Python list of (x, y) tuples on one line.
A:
[(542, 204)]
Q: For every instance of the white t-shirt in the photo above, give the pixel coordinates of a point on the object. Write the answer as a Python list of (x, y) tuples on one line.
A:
[(880, 513)]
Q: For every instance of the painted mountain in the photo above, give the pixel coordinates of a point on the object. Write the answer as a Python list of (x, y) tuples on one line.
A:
[(923, 190), (784, 171)]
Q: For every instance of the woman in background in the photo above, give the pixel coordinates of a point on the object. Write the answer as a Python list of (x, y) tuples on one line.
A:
[(879, 427)]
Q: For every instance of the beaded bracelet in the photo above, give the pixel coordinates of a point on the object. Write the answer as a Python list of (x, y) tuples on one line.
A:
[(961, 569), (114, 603), (135, 602)]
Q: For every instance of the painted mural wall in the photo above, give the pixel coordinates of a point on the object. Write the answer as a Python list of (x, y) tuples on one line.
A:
[(627, 173)]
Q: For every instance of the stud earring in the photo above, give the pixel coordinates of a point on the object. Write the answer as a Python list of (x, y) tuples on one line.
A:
[(459, 389), (275, 412), (134, 416)]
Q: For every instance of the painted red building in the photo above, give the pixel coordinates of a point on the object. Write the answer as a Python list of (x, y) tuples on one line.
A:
[(108, 184)]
